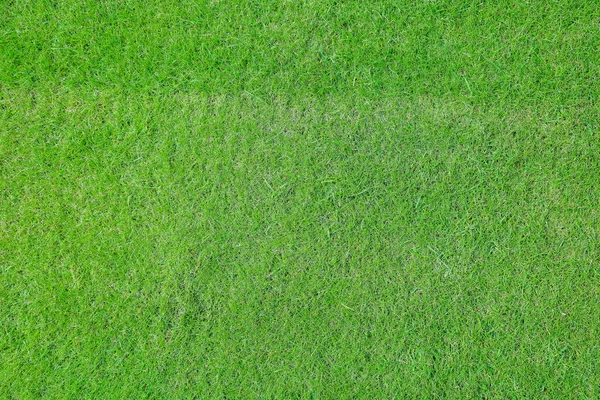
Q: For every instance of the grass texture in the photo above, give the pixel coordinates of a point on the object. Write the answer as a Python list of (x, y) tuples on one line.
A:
[(309, 199)]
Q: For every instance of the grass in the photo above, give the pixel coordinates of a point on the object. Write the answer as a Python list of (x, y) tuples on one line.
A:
[(309, 199)]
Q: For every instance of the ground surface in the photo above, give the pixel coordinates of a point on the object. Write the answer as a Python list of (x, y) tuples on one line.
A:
[(300, 199)]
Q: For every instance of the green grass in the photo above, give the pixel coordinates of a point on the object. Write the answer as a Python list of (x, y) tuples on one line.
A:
[(300, 199)]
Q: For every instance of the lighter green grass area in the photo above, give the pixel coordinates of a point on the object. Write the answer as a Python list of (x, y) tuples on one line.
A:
[(299, 199)]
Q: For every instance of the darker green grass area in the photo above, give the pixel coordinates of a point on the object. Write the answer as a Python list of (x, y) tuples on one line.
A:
[(494, 52), (309, 199)]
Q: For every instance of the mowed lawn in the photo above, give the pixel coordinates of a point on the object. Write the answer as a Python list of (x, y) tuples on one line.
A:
[(309, 199)]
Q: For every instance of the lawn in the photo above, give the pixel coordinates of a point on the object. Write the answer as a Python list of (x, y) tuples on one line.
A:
[(309, 199)]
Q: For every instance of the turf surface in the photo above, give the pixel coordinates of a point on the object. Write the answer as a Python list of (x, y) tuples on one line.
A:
[(300, 199)]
